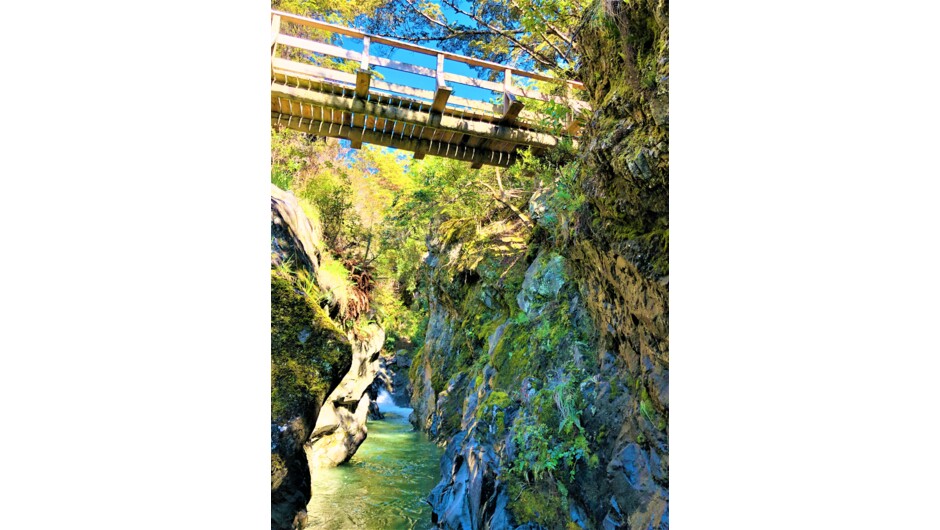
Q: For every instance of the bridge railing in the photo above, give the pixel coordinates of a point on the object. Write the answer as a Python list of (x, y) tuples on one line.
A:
[(511, 90)]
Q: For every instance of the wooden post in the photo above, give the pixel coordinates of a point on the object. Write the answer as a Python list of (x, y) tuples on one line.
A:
[(275, 31), (511, 106), (572, 127), (363, 75), (363, 79), (275, 28), (511, 109), (441, 93)]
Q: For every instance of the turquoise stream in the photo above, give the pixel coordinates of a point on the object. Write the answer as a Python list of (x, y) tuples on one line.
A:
[(384, 485)]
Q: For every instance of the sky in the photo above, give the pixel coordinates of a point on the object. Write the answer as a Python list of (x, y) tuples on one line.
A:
[(419, 81)]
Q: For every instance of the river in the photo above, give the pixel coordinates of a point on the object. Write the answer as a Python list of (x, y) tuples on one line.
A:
[(383, 486)]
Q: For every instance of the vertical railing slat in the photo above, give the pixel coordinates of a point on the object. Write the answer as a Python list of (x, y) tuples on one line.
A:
[(365, 52), (275, 31)]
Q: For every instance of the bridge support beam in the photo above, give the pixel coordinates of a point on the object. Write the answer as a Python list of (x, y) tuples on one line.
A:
[(447, 123), (446, 150)]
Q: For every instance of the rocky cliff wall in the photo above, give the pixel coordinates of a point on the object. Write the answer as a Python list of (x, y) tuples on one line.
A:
[(621, 257), (545, 364)]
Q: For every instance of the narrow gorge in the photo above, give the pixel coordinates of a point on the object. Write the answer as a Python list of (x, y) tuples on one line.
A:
[(487, 348)]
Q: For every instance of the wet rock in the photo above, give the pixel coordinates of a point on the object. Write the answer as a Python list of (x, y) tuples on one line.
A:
[(538, 204), (500, 517), (611, 523), (447, 412), (578, 515), (374, 412), (634, 465), (467, 498)]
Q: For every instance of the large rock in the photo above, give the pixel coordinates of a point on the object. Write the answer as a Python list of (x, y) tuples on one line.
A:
[(341, 425), (543, 280)]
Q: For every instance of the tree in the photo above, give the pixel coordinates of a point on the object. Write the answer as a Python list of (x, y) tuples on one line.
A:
[(524, 33)]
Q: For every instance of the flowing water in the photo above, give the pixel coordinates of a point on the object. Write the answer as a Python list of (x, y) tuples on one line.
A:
[(383, 486)]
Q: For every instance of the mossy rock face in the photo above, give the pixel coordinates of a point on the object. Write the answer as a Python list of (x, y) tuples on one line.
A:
[(309, 356), (562, 340), (488, 363), (543, 280), (539, 503), (620, 261), (625, 172)]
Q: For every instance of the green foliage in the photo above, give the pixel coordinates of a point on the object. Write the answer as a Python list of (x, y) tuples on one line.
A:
[(646, 409), (544, 448), (291, 154), (339, 12), (445, 198), (552, 116), (307, 284), (559, 193), (342, 13), (331, 194)]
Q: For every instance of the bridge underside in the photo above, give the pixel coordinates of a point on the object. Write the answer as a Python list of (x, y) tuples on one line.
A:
[(353, 107)]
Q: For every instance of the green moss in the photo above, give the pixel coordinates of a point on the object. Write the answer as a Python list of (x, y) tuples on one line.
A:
[(494, 407), (615, 389), (500, 423), (309, 354), (497, 399), (450, 424), (540, 503), (438, 381), (512, 355)]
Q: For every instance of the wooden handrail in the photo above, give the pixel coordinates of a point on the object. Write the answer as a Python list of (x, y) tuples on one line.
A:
[(342, 30), (438, 74), (508, 122)]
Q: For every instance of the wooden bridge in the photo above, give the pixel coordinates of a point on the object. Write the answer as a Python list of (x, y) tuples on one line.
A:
[(355, 105)]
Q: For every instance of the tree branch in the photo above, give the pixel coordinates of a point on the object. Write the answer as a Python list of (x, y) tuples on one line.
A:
[(551, 28), (451, 35), (504, 33), (425, 15), (503, 198)]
